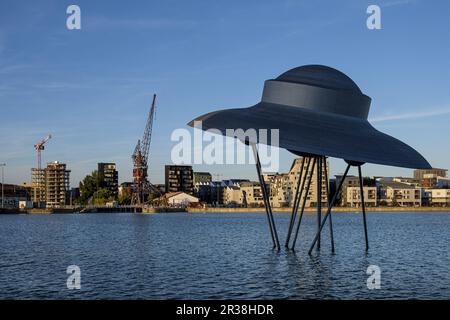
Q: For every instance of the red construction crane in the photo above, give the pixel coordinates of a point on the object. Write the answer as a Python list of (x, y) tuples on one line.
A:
[(141, 185), (39, 147)]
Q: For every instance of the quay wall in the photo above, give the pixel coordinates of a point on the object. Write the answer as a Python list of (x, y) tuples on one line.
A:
[(335, 209)]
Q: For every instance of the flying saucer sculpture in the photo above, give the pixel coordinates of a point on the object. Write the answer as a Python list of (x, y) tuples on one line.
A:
[(320, 112)]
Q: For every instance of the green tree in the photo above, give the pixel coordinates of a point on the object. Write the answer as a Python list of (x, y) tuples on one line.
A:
[(88, 187), (102, 196), (395, 202), (369, 182), (125, 197)]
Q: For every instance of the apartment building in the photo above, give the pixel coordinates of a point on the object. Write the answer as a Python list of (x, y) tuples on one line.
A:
[(349, 182), (179, 178), (108, 177), (398, 194), (251, 194), (353, 196), (429, 177), (283, 186), (57, 184), (440, 197)]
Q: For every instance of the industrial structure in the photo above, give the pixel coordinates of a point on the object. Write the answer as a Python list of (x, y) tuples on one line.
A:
[(141, 185), (37, 174)]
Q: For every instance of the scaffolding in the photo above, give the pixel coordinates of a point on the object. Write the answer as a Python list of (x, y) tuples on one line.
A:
[(38, 182)]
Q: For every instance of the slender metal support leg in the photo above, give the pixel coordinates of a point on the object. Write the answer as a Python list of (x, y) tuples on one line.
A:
[(273, 230), (363, 206), (329, 209), (298, 196), (327, 182), (302, 188), (304, 202), (319, 197)]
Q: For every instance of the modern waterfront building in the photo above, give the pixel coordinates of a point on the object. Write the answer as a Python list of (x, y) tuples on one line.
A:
[(56, 178), (429, 177), (108, 177), (245, 194), (393, 193), (353, 196), (232, 193), (349, 182), (440, 197), (283, 186), (202, 186), (232, 196), (179, 178), (242, 192), (251, 194)]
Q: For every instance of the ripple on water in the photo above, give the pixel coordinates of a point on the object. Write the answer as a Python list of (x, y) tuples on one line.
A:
[(219, 256)]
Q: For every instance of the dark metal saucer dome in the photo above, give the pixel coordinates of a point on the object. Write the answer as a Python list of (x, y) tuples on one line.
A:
[(318, 110)]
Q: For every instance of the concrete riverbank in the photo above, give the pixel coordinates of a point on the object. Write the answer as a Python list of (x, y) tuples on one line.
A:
[(335, 209), (92, 209), (214, 210)]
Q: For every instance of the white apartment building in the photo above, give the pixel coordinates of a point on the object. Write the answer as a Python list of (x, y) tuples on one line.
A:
[(353, 196), (440, 197), (396, 193), (251, 194), (232, 195), (283, 186)]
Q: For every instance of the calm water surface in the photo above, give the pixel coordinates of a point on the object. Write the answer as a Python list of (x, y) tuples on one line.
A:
[(218, 256)]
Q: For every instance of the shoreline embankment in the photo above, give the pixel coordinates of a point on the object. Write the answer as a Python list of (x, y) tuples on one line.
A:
[(313, 210), (218, 210)]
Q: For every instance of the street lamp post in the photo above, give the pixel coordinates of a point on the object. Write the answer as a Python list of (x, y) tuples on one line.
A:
[(3, 182)]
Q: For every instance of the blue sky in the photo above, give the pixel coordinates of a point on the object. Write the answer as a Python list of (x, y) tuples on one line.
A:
[(91, 88)]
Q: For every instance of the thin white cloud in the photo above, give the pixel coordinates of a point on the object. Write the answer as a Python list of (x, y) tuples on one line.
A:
[(397, 3), (411, 115), (160, 23)]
